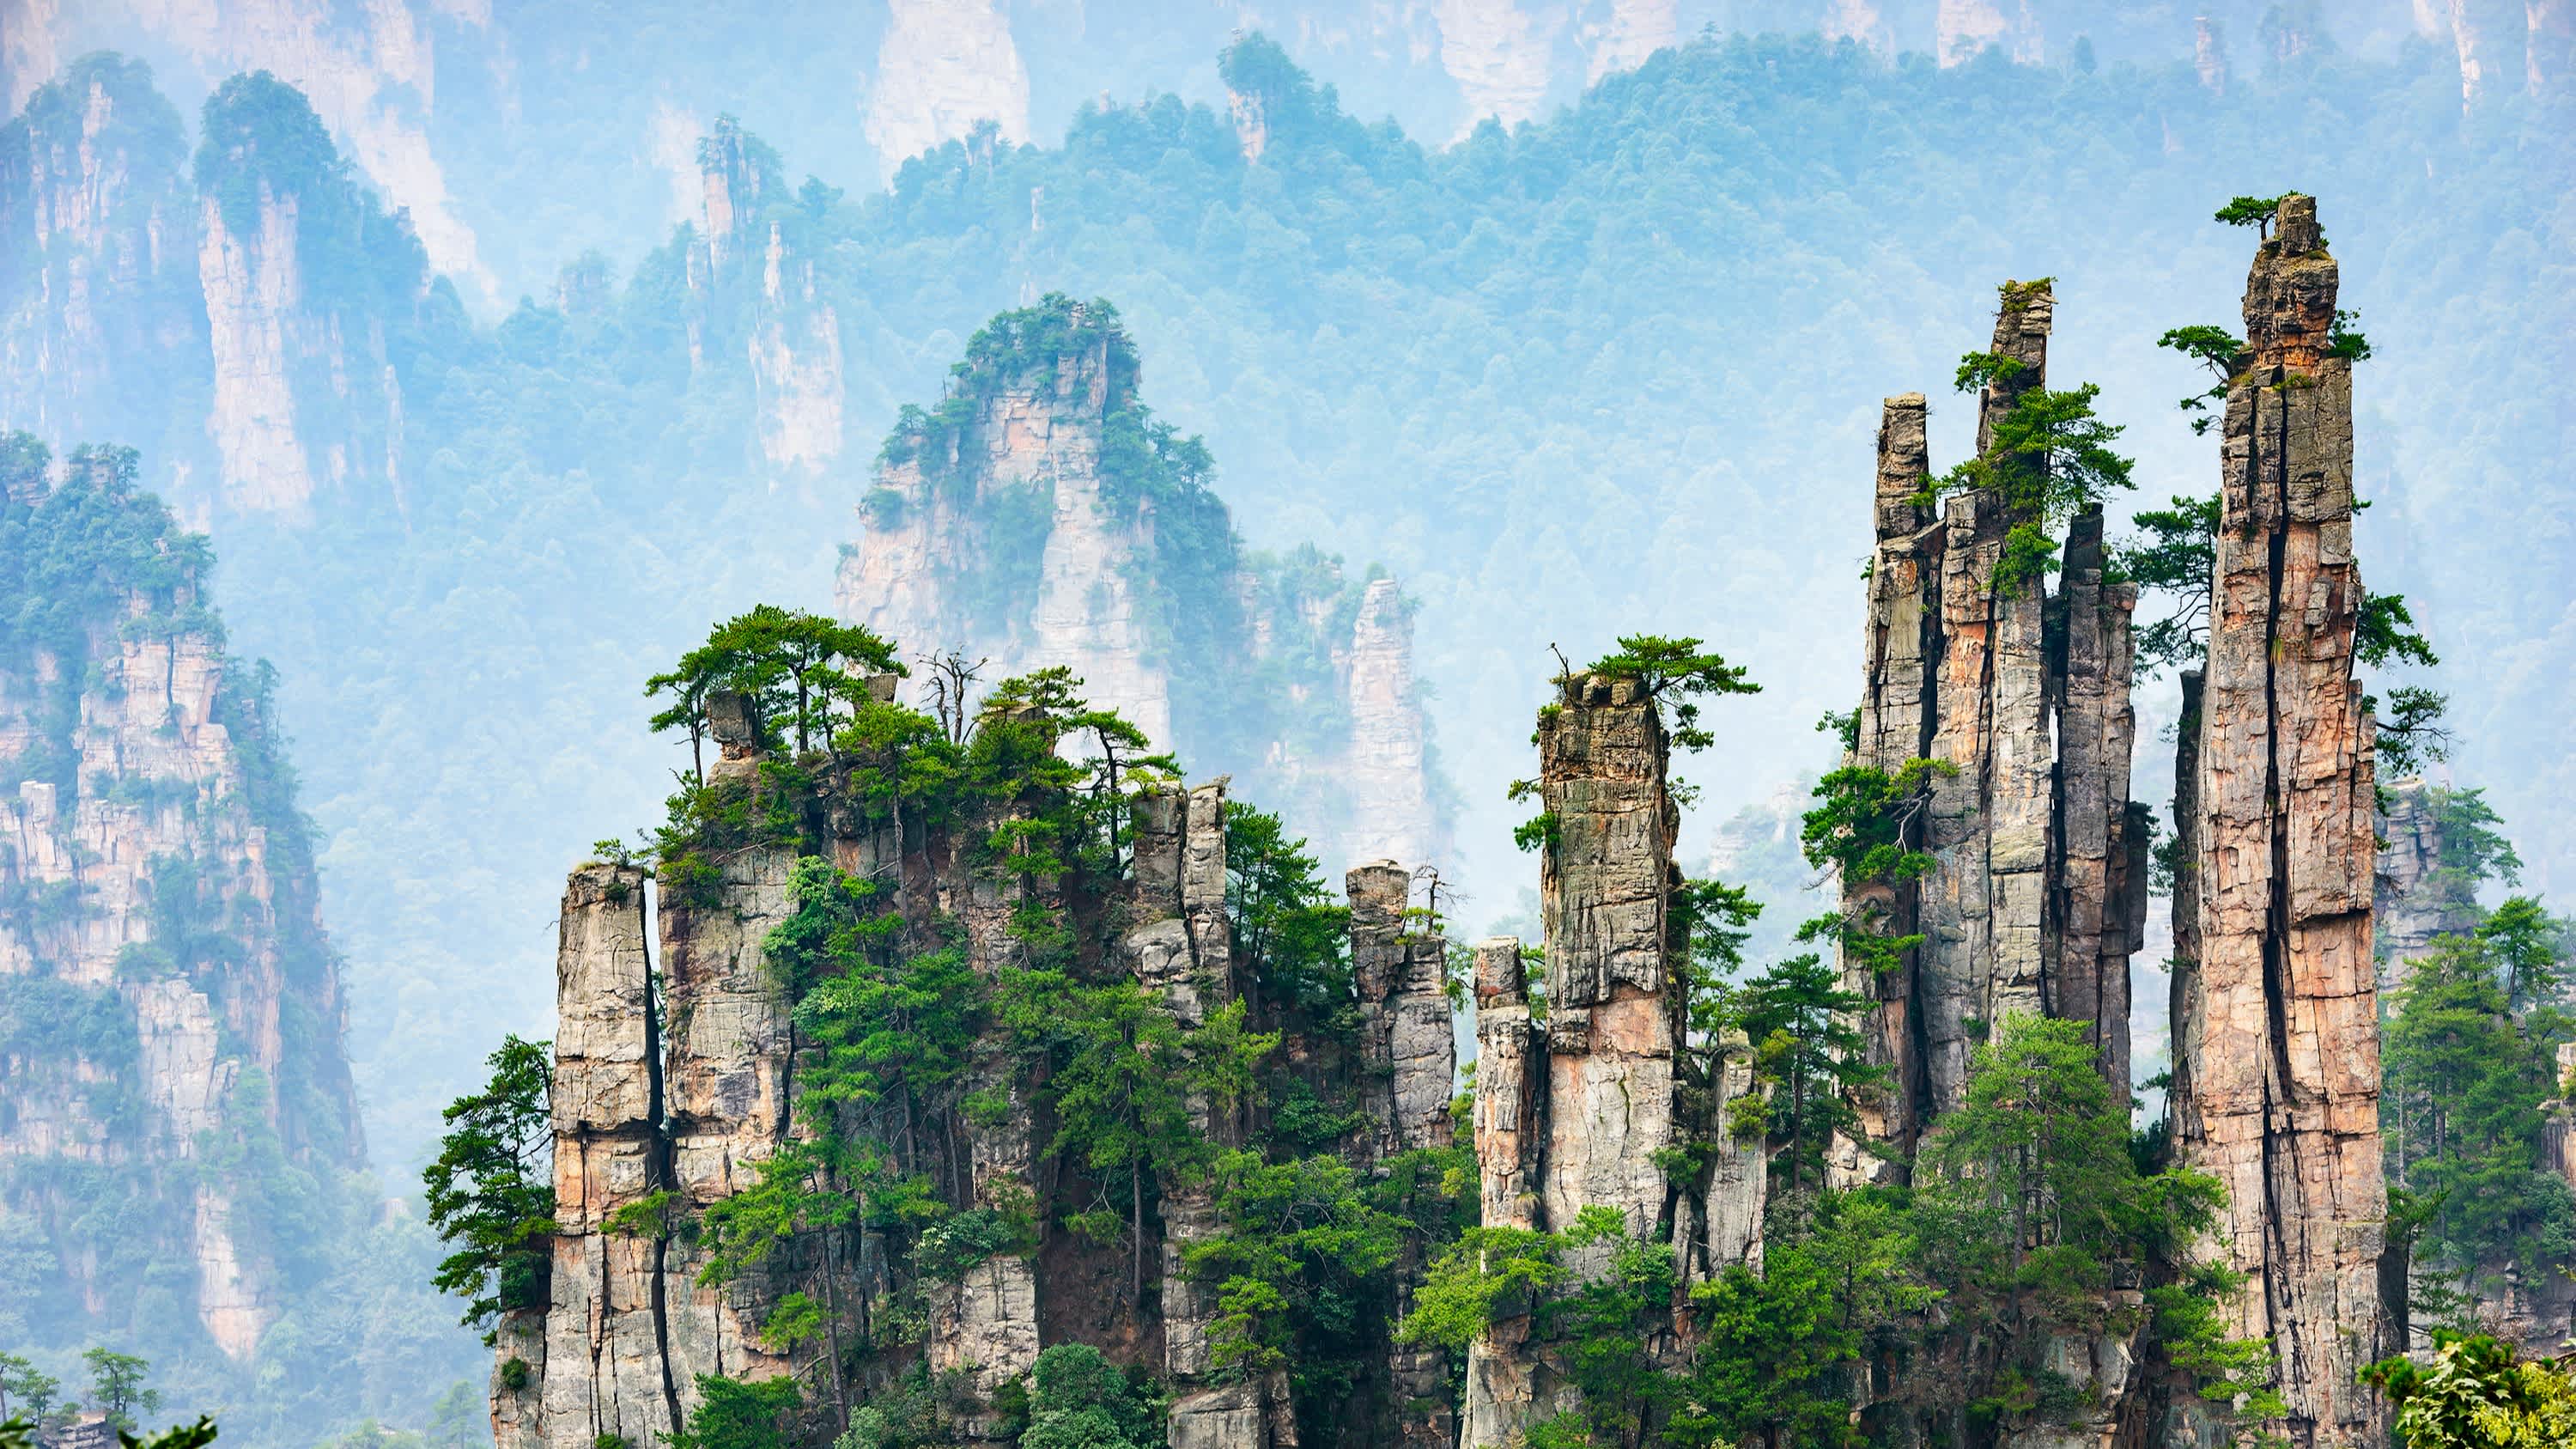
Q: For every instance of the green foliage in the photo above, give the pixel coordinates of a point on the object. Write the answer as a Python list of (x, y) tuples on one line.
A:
[(116, 1385), (732, 1414), (1487, 1275), (1305, 1247), (2175, 554), (2465, 1080), (2409, 732), (2253, 211), (2385, 630), (797, 673), (2531, 947), (1777, 1348), (1286, 925), (20, 1433), (2216, 349), (32, 1388), (261, 140), (1679, 670), (1080, 1400), (2474, 850), (2479, 1394), (2344, 339), (1807, 1050), (2049, 456), (491, 1191), (1865, 819)]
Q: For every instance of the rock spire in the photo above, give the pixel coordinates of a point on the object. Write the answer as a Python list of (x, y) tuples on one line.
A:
[(2280, 1011)]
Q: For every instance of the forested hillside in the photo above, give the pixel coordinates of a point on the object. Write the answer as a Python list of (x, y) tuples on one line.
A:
[(1607, 366)]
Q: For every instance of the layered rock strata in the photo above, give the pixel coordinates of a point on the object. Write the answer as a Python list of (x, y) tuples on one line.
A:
[(2282, 1101), (1591, 1108), (670, 1086), (2035, 896)]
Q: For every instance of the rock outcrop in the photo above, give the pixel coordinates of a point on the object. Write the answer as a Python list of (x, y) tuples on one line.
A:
[(672, 1078), (295, 265), (681, 1067), (97, 218), (2415, 898), (2034, 900), (941, 71), (1182, 949), (1030, 521), (175, 1010), (2280, 1013), (755, 291), (1408, 1063), (1594, 1107)]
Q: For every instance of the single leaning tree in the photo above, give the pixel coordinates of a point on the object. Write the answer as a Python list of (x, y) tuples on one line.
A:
[(491, 1191)]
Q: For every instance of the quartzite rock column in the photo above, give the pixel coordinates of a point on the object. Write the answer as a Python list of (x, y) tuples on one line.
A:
[(1901, 644), (2098, 871), (1985, 899), (1409, 1058), (1613, 1009), (1507, 1386), (1182, 949), (1598, 1127), (600, 1367), (2283, 1103)]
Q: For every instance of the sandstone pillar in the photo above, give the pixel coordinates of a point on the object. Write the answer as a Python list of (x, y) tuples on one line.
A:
[(1182, 949), (2283, 1101), (1589, 1112), (2097, 855), (1901, 646)]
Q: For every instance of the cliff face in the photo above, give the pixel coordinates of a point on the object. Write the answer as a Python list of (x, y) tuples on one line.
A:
[(683, 1074), (301, 275), (753, 296), (95, 276), (264, 298), (1034, 520), (2034, 898), (174, 1011), (1592, 1107), (2283, 1094)]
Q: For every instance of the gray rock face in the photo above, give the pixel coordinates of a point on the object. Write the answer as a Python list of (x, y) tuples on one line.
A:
[(1183, 949), (2414, 901), (643, 1107), (2036, 896), (2097, 875), (2283, 1098), (156, 821), (1408, 1061), (1028, 457), (1584, 1111)]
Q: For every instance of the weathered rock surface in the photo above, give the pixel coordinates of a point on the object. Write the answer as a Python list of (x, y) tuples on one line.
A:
[(1408, 1063), (2035, 899), (149, 898), (1182, 949), (2283, 1096), (1587, 1110), (670, 1078), (2414, 901), (2098, 842)]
